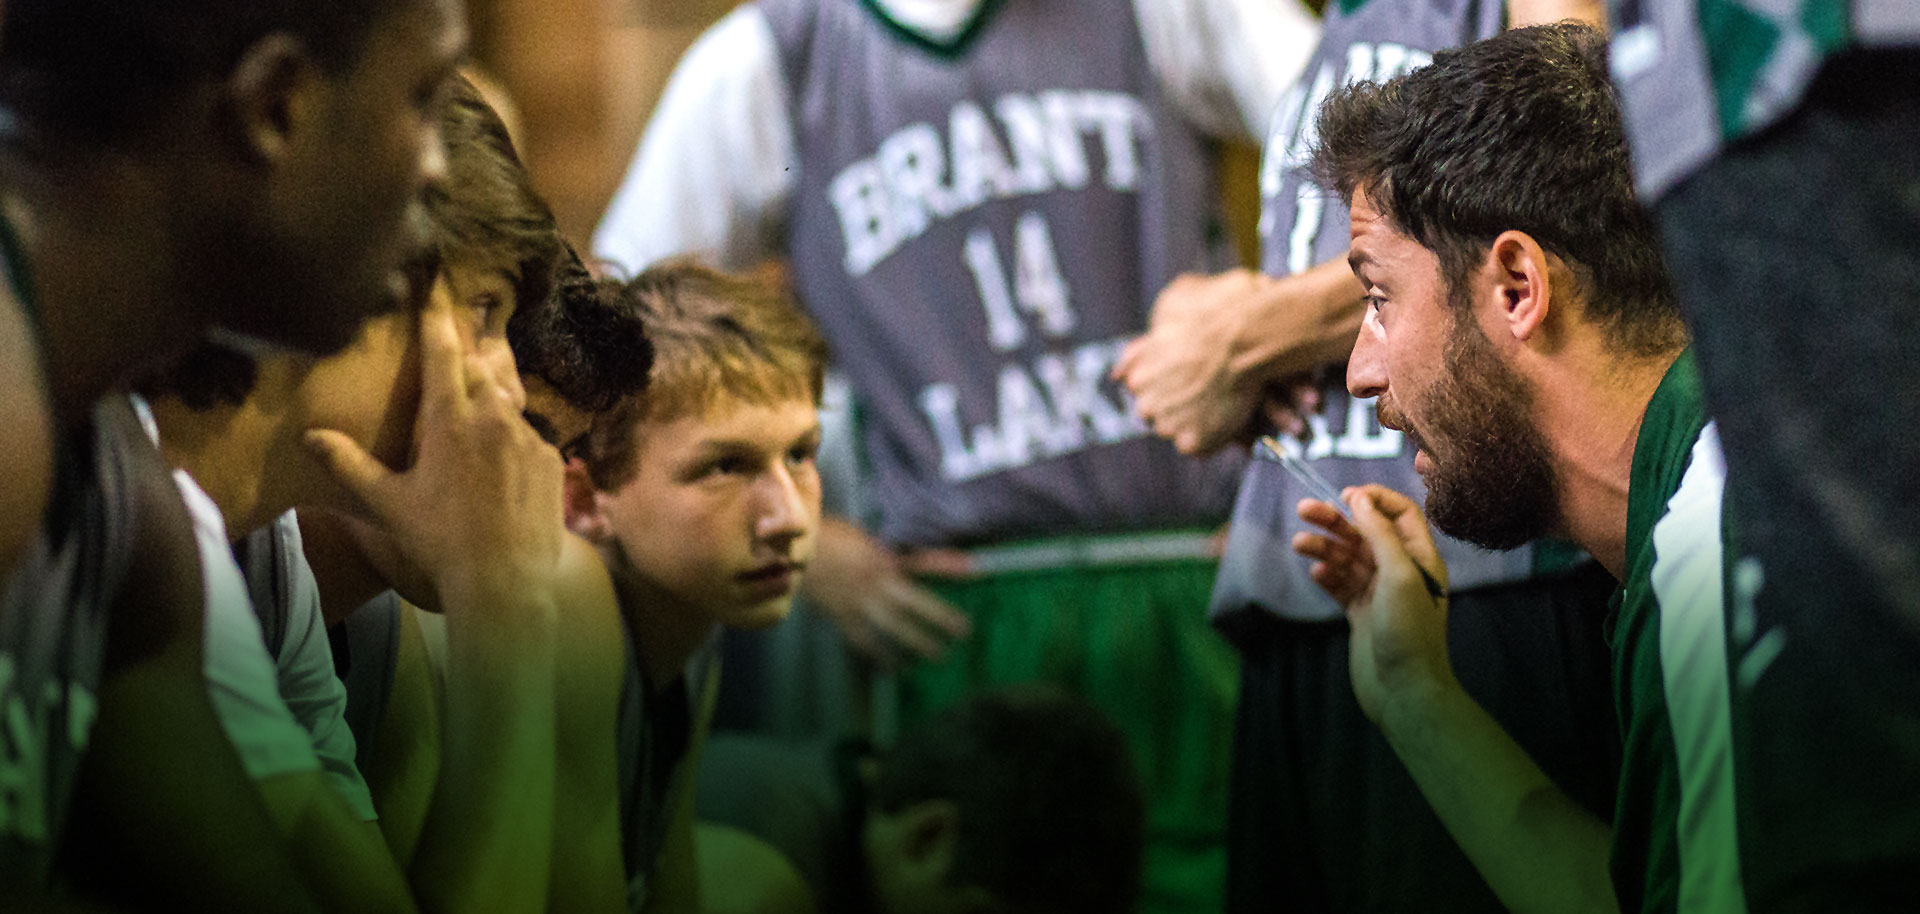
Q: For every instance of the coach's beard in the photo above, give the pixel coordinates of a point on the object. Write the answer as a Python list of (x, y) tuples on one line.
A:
[(1491, 481)]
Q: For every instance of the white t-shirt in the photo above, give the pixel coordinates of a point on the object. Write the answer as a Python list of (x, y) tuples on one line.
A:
[(713, 173), (304, 657), (283, 710)]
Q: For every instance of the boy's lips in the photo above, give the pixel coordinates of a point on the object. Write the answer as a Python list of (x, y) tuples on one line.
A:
[(772, 575)]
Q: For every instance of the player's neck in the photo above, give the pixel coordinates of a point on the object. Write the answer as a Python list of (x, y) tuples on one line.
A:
[(102, 279), (224, 449), (665, 633)]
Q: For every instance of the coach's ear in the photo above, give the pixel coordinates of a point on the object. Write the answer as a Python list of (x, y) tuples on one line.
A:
[(584, 516), (1522, 275)]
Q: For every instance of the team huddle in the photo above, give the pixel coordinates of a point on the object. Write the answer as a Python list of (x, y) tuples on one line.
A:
[(1529, 529)]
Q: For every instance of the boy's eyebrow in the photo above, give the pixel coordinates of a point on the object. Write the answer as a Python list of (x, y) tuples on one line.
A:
[(1357, 260), (735, 445)]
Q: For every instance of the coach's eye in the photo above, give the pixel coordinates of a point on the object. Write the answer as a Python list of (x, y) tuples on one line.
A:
[(1372, 321)]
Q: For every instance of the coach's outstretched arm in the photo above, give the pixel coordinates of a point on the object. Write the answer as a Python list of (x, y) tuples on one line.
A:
[(479, 510), (1538, 850)]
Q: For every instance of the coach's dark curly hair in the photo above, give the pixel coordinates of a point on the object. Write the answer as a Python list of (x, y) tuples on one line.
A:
[(1522, 132)]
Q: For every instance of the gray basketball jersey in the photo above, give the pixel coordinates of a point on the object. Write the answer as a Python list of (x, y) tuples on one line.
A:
[(1694, 75), (53, 638), (978, 229), (1303, 225)]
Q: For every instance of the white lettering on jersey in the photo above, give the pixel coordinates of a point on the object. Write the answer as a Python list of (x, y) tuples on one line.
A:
[(1053, 407), (1296, 129), (1038, 287), (917, 177), (1362, 437)]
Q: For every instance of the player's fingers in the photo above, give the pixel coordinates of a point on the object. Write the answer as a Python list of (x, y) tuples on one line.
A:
[(1308, 398), (937, 563), (1285, 420), (1389, 503), (355, 469), (929, 611), (444, 378), (1123, 365), (1338, 583), (895, 626)]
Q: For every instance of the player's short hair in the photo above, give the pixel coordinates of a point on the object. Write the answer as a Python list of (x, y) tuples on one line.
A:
[(584, 340), (718, 340), (102, 70), (485, 213), (1521, 131), (1051, 817)]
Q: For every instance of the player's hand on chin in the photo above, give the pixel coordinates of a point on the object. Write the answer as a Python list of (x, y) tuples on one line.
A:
[(479, 509)]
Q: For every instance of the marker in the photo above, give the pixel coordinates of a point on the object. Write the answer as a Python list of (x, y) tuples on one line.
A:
[(1288, 455)]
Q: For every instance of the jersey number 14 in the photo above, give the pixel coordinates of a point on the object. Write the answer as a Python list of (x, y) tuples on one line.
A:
[(1037, 287)]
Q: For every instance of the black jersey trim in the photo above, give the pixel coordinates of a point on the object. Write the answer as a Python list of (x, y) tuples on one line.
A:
[(950, 49)]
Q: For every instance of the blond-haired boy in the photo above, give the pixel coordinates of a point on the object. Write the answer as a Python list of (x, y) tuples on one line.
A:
[(702, 495)]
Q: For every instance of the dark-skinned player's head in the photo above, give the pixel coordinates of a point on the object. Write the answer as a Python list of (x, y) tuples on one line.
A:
[(276, 149), (1021, 800), (496, 252)]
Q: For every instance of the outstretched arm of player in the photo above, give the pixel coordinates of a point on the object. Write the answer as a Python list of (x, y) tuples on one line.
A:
[(1538, 850), (1225, 63), (479, 511), (868, 593), (714, 170), (589, 873), (1216, 345)]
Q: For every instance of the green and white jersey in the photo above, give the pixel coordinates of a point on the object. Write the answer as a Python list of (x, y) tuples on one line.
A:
[(54, 613), (1694, 75), (1674, 844)]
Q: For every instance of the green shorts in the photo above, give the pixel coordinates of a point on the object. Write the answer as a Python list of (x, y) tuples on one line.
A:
[(1132, 636)]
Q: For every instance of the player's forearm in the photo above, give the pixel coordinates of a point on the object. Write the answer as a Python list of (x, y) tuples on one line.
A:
[(588, 871), (488, 832), (1537, 849), (1297, 324)]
